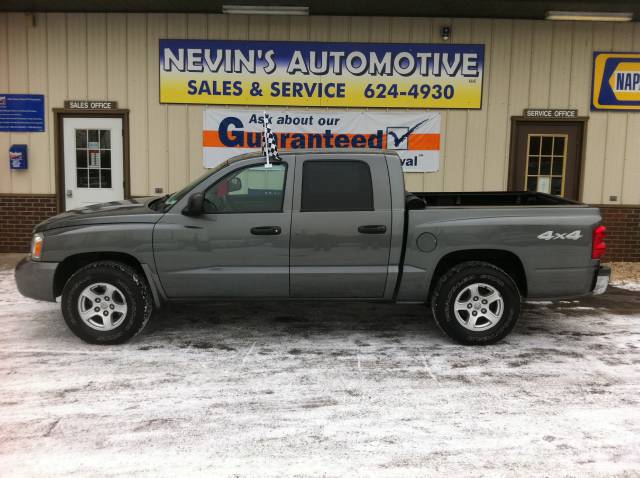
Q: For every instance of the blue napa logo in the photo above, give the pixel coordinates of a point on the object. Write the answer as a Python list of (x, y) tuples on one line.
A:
[(627, 81)]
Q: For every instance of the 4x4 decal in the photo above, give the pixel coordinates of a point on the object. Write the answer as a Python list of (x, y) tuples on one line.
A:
[(551, 235)]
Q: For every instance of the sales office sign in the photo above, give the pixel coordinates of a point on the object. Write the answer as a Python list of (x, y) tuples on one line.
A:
[(282, 73)]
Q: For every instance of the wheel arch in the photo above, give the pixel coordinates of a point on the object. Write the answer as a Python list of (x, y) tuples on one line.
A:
[(75, 262), (509, 262)]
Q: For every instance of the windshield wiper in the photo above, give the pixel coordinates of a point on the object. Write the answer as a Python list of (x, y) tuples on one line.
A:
[(159, 202)]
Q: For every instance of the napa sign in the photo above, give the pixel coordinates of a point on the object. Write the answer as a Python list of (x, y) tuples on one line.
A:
[(282, 73), (616, 81)]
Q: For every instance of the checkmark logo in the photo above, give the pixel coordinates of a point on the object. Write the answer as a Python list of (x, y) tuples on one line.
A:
[(400, 135)]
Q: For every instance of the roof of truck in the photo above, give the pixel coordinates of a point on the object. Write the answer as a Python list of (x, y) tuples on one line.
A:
[(282, 152)]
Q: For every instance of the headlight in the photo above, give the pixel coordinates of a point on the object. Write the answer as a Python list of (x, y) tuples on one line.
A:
[(36, 246)]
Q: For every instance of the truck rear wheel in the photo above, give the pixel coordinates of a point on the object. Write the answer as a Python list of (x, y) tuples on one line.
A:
[(476, 303), (106, 303)]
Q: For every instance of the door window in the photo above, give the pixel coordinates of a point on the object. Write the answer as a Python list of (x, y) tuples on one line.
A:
[(251, 189), (93, 158), (546, 160), (546, 157), (340, 185)]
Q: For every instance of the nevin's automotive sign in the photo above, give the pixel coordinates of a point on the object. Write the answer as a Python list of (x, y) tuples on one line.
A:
[(321, 74), (415, 136), (616, 81)]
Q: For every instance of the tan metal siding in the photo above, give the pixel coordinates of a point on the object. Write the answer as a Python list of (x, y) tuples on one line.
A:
[(57, 90), (476, 134), (116, 45), (5, 138), (115, 55), (596, 129), (498, 77), (37, 68), (137, 68), (616, 130), (631, 174)]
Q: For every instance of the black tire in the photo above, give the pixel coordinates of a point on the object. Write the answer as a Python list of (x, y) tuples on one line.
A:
[(456, 284), (132, 290)]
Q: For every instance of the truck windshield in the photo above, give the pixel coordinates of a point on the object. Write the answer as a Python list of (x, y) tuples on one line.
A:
[(170, 200)]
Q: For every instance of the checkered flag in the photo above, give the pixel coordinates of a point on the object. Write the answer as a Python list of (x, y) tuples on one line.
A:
[(269, 141)]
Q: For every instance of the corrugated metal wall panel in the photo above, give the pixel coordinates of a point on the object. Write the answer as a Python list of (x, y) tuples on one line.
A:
[(37, 68), (116, 45), (157, 134), (499, 81), (5, 141), (616, 130), (136, 54), (18, 66), (631, 176), (114, 56), (57, 91), (596, 129)]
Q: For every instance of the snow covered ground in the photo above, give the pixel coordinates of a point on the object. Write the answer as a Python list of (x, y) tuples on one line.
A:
[(627, 284), (327, 389)]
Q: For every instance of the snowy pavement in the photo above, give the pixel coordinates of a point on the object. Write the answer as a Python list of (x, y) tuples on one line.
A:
[(321, 389)]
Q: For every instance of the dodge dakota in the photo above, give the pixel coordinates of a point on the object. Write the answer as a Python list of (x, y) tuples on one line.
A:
[(316, 225)]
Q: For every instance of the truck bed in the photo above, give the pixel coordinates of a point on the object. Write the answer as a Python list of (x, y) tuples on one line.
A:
[(500, 198)]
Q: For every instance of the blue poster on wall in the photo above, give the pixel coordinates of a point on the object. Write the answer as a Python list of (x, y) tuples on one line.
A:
[(21, 113)]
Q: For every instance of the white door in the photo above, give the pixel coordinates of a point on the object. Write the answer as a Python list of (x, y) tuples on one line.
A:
[(93, 161)]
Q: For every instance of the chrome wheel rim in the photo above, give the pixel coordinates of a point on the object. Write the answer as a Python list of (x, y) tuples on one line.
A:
[(102, 306), (478, 307)]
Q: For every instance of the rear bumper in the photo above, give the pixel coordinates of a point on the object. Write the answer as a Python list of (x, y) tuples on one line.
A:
[(35, 279), (601, 281)]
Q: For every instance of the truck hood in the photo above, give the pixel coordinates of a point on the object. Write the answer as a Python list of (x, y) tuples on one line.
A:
[(127, 211)]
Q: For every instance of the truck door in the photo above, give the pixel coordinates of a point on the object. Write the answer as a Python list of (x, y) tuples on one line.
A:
[(341, 226), (239, 246)]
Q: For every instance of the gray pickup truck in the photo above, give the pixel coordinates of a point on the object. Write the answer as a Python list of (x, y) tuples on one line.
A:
[(318, 224)]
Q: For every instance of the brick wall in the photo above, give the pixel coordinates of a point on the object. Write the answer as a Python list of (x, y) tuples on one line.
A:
[(18, 215), (623, 232)]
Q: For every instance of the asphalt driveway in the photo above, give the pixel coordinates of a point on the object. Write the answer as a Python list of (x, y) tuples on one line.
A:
[(321, 389)]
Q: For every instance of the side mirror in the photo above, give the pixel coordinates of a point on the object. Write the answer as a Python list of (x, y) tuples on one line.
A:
[(235, 184), (195, 205)]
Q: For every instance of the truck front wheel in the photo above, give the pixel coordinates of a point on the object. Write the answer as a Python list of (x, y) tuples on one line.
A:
[(106, 302), (476, 303)]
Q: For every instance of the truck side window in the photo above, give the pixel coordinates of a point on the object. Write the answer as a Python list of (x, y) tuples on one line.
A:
[(341, 185), (250, 189)]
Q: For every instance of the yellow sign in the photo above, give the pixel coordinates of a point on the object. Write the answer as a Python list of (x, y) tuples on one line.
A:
[(321, 74), (616, 81)]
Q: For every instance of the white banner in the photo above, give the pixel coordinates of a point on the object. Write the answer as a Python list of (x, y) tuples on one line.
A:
[(414, 135)]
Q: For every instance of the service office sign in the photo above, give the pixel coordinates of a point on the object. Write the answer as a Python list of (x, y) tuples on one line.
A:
[(321, 74), (616, 81), (415, 136)]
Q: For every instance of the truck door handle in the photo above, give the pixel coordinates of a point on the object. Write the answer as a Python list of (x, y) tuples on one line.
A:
[(372, 229), (266, 230)]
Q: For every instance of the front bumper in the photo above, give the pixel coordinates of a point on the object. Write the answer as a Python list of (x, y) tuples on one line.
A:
[(601, 280), (35, 279)]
